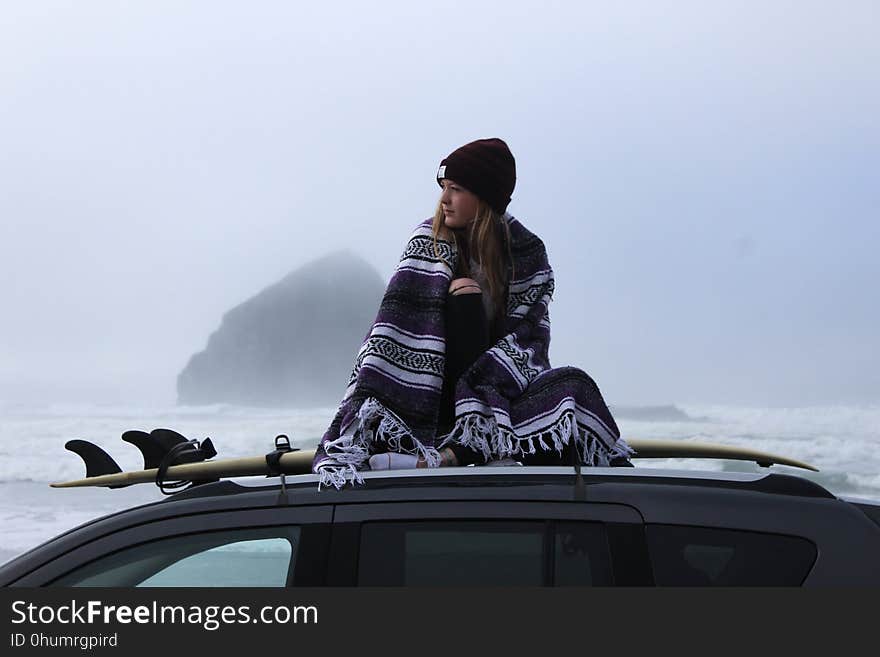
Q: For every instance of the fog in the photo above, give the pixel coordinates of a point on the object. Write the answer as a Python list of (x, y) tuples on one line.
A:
[(706, 177)]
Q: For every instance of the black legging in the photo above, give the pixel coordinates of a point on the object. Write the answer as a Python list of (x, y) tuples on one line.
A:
[(467, 336)]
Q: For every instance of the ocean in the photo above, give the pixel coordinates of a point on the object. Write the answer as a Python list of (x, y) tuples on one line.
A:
[(842, 441)]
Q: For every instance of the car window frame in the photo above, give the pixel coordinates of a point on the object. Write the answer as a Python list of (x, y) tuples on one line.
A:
[(623, 524), (314, 540)]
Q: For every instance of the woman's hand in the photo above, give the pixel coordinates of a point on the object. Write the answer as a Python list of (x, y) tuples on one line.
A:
[(464, 286)]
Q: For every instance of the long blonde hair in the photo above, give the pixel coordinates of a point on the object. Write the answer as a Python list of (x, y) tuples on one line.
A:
[(486, 240)]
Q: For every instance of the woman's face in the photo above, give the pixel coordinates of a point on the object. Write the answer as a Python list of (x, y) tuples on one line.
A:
[(459, 205)]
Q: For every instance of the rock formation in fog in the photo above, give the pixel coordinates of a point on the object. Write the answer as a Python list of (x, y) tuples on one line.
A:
[(291, 345)]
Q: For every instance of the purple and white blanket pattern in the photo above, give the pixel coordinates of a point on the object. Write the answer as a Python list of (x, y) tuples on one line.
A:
[(509, 403)]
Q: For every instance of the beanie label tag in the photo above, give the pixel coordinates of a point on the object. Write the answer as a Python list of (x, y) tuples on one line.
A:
[(441, 172)]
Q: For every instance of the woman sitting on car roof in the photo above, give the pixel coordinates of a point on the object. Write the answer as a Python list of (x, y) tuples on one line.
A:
[(455, 369)]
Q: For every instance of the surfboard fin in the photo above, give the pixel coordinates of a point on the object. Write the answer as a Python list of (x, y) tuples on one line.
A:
[(97, 461), (156, 445), (150, 448), (167, 439)]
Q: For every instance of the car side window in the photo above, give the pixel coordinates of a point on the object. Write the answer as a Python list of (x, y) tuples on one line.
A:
[(483, 553), (261, 557), (704, 556)]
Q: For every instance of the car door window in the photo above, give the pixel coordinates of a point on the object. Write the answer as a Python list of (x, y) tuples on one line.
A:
[(261, 557), (483, 553)]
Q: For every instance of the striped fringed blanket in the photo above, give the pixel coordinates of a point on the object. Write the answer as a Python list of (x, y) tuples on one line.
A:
[(509, 403)]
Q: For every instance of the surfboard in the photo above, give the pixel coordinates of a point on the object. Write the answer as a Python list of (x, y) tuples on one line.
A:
[(671, 449), (300, 462)]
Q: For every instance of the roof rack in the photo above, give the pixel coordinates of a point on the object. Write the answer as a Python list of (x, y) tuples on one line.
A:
[(102, 470)]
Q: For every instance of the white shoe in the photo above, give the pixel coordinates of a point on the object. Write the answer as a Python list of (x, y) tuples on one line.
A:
[(502, 462), (393, 461)]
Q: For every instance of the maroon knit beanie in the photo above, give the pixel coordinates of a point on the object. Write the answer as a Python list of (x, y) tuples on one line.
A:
[(485, 167)]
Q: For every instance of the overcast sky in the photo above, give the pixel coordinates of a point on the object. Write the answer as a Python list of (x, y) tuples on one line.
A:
[(705, 175)]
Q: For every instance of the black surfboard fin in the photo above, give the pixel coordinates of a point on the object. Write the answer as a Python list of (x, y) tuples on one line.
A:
[(156, 445), (167, 439), (98, 462), (149, 446)]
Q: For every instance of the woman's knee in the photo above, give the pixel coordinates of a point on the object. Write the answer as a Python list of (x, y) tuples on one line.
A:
[(464, 286)]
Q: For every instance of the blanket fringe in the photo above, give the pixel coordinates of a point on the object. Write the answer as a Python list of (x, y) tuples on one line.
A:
[(482, 434), (375, 423), (622, 449), (337, 477)]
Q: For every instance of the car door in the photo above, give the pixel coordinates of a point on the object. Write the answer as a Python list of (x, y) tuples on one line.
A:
[(488, 543), (279, 546)]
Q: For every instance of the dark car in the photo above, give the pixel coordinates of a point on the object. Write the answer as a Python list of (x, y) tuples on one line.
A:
[(488, 526)]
